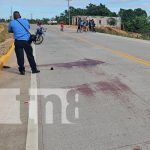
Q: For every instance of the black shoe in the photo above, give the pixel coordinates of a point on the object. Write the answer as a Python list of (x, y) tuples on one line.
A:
[(36, 71), (22, 72)]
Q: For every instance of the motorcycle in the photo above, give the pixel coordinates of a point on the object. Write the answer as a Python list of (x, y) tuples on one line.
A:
[(39, 36)]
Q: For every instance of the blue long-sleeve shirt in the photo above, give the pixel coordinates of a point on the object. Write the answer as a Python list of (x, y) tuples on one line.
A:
[(19, 32)]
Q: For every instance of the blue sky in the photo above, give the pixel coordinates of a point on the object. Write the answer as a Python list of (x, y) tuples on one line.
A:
[(50, 8)]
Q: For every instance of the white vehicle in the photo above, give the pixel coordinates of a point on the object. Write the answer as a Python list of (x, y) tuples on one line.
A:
[(52, 22)]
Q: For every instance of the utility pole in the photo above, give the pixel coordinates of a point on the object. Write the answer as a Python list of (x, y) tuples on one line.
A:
[(69, 11), (31, 16), (11, 13)]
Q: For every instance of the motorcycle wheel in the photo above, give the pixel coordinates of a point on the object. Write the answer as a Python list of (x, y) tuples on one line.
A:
[(39, 40)]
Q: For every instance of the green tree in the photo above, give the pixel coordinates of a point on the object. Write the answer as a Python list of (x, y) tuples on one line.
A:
[(90, 10), (134, 20), (140, 24), (127, 17), (100, 10), (45, 20), (140, 12), (2, 20)]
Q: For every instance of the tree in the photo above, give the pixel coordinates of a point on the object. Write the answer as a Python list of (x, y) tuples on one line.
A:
[(140, 12), (45, 20), (33, 21), (100, 10), (3, 20), (90, 10), (149, 19), (134, 20), (139, 23), (127, 17)]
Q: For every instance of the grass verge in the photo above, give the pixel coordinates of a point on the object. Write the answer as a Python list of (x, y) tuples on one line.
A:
[(123, 33), (5, 39), (4, 33)]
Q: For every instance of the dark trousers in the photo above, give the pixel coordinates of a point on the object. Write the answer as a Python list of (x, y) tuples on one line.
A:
[(79, 28), (93, 29), (20, 47)]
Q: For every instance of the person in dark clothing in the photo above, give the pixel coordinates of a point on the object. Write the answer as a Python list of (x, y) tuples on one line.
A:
[(90, 27), (93, 25), (79, 25), (22, 43), (87, 25)]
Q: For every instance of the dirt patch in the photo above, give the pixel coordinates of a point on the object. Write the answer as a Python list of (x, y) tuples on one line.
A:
[(71, 26), (115, 31), (4, 35), (4, 47), (1, 28), (5, 39), (111, 30)]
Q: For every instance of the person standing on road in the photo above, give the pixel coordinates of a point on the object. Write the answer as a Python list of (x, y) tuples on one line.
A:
[(39, 30), (22, 43), (93, 25), (61, 26), (87, 25), (79, 25), (90, 25)]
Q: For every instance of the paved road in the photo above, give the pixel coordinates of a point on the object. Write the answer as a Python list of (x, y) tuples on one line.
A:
[(113, 90), (12, 131), (110, 74)]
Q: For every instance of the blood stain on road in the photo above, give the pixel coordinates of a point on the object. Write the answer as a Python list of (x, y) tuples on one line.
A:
[(81, 63), (137, 148), (85, 89), (114, 86)]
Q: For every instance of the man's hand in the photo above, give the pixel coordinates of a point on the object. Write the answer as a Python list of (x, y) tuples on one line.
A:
[(10, 31)]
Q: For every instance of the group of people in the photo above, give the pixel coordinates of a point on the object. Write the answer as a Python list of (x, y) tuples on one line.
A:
[(86, 25), (20, 28)]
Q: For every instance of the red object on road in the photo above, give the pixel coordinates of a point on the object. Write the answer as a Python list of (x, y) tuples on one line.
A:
[(62, 26)]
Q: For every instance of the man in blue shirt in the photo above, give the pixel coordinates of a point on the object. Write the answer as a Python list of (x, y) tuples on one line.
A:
[(22, 43)]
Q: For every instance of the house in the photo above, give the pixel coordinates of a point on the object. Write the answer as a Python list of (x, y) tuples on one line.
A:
[(100, 21)]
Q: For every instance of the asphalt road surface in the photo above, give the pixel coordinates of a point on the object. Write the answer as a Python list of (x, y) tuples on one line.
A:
[(106, 82)]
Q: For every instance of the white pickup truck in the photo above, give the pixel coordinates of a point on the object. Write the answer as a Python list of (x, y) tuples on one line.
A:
[(52, 22)]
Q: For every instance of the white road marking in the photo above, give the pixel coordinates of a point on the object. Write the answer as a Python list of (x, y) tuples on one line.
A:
[(32, 132), (77, 109)]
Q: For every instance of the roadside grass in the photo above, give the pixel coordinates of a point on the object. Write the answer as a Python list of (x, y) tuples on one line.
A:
[(4, 34), (146, 36), (1, 27), (127, 34), (5, 39)]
